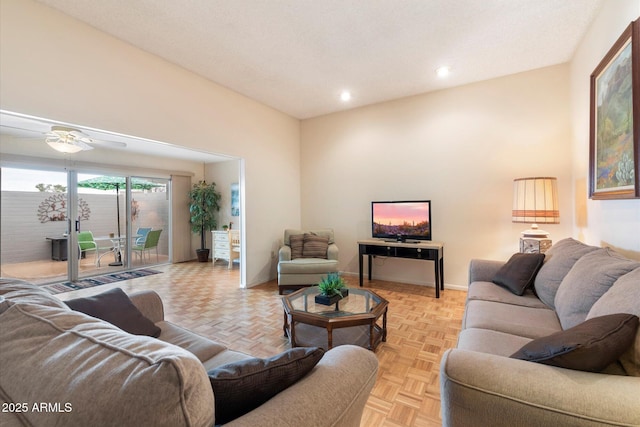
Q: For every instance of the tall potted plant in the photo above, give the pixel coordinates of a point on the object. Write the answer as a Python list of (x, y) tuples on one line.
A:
[(204, 203)]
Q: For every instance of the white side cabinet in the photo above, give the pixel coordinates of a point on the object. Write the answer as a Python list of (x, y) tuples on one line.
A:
[(220, 245)]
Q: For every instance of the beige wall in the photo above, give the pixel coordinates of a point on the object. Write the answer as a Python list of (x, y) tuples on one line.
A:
[(460, 147), (58, 68), (614, 223)]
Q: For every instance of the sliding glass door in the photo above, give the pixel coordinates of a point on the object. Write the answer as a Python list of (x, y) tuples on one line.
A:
[(66, 225)]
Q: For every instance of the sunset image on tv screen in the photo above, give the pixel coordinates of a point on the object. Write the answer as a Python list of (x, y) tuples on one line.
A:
[(402, 218)]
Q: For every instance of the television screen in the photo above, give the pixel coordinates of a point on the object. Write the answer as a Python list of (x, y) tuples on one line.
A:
[(401, 220)]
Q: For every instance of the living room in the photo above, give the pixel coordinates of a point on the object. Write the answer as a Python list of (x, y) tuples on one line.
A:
[(460, 147)]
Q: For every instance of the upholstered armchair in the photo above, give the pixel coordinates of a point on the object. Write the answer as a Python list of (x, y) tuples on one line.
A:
[(305, 257)]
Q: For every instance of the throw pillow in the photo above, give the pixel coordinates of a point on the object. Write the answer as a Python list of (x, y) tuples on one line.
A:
[(558, 261), (591, 276), (518, 273), (623, 297), (315, 246), (242, 386), (590, 346), (115, 307), (296, 243)]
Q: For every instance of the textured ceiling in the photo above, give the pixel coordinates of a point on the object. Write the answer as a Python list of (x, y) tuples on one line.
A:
[(298, 55)]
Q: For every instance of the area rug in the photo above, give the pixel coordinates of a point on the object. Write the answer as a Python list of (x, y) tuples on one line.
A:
[(58, 288)]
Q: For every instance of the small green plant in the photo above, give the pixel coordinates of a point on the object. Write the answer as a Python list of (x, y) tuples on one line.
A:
[(332, 284)]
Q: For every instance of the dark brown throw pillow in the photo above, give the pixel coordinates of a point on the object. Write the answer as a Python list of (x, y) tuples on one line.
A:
[(296, 242), (519, 272), (315, 246), (242, 386), (590, 346), (115, 307)]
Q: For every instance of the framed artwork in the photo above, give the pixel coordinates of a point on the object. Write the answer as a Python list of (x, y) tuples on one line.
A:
[(235, 200), (615, 120)]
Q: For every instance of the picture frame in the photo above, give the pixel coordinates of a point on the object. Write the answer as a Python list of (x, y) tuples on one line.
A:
[(615, 120), (235, 199)]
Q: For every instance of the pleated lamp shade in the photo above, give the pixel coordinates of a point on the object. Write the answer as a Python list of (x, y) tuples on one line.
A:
[(535, 201)]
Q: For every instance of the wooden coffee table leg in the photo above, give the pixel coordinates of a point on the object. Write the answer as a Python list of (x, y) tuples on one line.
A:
[(329, 338)]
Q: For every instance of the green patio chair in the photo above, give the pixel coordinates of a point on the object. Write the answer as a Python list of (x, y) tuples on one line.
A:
[(87, 244), (150, 242)]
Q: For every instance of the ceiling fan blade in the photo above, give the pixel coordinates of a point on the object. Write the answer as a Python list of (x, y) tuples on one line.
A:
[(111, 144)]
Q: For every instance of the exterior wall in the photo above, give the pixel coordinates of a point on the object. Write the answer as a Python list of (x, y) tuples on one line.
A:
[(24, 235)]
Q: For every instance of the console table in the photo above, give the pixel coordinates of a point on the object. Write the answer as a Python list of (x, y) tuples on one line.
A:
[(427, 251)]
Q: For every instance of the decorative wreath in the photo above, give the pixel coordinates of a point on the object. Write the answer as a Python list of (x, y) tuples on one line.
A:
[(54, 208)]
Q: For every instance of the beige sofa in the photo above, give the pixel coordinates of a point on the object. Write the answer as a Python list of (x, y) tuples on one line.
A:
[(482, 386), (63, 367)]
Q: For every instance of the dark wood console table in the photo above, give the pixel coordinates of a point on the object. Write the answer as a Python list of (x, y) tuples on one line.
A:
[(427, 251)]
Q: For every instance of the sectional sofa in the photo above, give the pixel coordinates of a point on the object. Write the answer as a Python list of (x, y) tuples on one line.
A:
[(562, 349)]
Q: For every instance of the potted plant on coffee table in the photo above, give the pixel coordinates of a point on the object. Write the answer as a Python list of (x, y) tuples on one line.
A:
[(204, 203), (332, 289)]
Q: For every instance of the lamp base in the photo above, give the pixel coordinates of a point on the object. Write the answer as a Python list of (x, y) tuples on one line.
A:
[(530, 245)]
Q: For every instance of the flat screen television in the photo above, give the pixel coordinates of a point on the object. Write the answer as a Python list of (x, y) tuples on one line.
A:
[(401, 220)]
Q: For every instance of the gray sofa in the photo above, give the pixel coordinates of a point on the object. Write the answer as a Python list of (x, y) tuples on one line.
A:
[(481, 385), (88, 372)]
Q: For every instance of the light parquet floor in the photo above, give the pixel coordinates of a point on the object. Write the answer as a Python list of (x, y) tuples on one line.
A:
[(206, 298)]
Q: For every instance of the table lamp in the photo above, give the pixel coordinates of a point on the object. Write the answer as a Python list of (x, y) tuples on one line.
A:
[(535, 201)]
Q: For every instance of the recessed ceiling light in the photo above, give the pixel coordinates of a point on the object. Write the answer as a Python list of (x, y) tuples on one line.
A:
[(345, 96), (443, 71)]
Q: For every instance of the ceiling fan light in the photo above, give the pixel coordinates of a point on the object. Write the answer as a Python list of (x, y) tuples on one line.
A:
[(64, 147)]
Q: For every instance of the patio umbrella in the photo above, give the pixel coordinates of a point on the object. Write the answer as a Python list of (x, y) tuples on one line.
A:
[(117, 182)]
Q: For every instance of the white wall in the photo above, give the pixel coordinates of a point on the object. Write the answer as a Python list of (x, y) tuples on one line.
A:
[(460, 147), (56, 67), (614, 223)]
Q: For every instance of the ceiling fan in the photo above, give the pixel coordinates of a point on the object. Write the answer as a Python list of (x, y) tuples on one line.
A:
[(64, 139)]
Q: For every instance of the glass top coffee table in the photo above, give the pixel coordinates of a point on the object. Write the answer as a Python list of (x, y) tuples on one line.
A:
[(352, 320)]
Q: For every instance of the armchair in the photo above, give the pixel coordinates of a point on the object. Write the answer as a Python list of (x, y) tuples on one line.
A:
[(305, 257)]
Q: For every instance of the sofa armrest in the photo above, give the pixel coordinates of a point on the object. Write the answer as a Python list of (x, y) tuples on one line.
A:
[(150, 304), (483, 270), (332, 252), (284, 254), (332, 394), (482, 389)]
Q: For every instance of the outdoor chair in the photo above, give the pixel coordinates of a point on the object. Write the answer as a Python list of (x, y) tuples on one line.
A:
[(142, 235), (87, 244), (150, 242), (234, 246)]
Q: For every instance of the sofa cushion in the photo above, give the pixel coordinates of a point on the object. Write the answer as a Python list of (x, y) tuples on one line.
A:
[(242, 386), (492, 342), (308, 266), (315, 246), (558, 261), (115, 307), (623, 297), (519, 272), (526, 322), (296, 242), (107, 375), (590, 277), (489, 291), (589, 346), (203, 348)]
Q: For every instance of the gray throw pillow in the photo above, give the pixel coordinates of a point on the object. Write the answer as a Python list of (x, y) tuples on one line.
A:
[(242, 386), (623, 297), (518, 273), (315, 246), (591, 276), (558, 261), (591, 346), (115, 307)]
